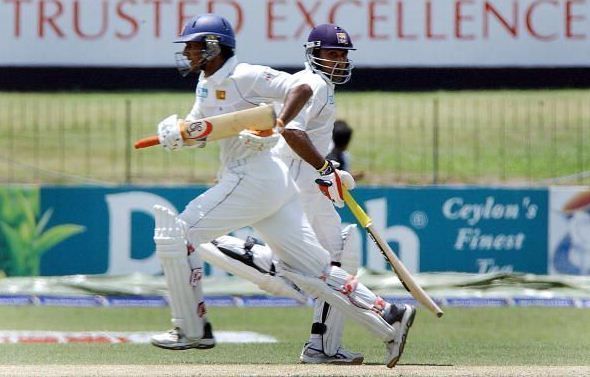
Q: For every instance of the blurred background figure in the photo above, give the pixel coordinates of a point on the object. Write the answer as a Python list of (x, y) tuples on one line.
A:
[(572, 254), (341, 136)]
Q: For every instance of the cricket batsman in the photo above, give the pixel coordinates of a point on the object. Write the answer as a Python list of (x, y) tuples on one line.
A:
[(254, 189)]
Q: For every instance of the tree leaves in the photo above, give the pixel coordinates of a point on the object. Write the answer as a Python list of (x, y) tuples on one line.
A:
[(23, 239)]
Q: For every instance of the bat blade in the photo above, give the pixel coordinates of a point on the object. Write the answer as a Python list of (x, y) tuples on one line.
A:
[(398, 267)]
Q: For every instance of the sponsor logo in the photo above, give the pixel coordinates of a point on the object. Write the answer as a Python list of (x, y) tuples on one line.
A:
[(489, 266), (419, 219), (473, 237), (196, 276), (199, 129), (202, 92)]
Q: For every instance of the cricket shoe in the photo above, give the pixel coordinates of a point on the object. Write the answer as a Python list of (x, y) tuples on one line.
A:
[(401, 319), (311, 355), (175, 339)]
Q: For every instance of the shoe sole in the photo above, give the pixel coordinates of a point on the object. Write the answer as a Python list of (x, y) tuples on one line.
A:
[(351, 362), (357, 361), (394, 361), (201, 346)]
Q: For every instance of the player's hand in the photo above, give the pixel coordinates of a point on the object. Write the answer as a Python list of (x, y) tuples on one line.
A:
[(195, 143), (257, 140), (169, 133), (333, 182)]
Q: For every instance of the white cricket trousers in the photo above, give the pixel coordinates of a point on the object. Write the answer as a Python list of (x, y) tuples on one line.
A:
[(320, 211), (258, 192)]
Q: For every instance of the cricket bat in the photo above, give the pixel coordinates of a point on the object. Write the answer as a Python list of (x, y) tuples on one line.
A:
[(400, 270), (260, 119)]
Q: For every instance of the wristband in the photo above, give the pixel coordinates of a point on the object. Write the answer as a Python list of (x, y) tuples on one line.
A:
[(326, 169)]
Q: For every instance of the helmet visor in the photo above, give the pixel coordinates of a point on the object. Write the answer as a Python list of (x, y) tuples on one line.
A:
[(337, 72)]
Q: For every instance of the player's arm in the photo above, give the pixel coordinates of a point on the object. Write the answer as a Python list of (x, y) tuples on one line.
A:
[(261, 84), (331, 180), (297, 139)]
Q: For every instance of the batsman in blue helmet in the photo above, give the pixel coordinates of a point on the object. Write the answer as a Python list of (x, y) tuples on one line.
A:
[(212, 35), (255, 188), (326, 52), (306, 142)]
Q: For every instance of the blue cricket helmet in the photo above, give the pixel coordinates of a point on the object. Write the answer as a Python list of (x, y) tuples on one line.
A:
[(329, 37), (207, 25)]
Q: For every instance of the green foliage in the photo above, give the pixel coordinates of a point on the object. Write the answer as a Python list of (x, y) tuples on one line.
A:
[(23, 238)]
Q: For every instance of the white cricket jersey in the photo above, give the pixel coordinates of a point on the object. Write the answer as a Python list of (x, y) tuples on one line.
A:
[(237, 86), (317, 117)]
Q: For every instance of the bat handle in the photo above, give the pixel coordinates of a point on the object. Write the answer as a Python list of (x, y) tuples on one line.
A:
[(149, 141), (356, 209)]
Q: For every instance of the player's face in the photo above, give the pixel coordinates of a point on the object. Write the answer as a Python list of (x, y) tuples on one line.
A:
[(192, 51), (334, 62), (338, 58)]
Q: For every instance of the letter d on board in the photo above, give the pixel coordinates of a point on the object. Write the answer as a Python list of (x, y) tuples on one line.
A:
[(121, 206)]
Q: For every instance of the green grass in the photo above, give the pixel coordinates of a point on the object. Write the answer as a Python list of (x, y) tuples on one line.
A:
[(480, 336), (468, 137)]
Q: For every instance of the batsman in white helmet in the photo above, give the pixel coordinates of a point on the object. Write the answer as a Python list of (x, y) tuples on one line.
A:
[(254, 189)]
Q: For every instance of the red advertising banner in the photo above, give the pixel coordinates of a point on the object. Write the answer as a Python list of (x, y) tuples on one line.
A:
[(388, 33)]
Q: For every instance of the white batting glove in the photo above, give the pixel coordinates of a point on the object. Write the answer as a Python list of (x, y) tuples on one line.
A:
[(258, 143), (333, 182), (169, 133)]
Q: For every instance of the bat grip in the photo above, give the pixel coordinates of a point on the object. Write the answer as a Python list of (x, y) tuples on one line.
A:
[(356, 209), (149, 141)]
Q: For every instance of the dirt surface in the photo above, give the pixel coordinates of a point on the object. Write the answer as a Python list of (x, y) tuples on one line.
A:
[(289, 370)]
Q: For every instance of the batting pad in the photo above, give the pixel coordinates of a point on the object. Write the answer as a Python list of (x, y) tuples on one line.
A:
[(269, 283), (334, 322), (366, 317), (171, 251)]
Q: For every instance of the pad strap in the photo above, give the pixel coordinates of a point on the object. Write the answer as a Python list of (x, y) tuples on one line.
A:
[(318, 328), (247, 258)]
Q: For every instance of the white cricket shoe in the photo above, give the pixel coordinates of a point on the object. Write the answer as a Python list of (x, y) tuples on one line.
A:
[(175, 339), (401, 322), (311, 355)]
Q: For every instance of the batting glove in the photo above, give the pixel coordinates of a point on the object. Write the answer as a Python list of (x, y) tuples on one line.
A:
[(254, 140), (169, 133), (333, 182), (170, 136)]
